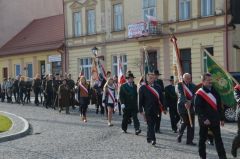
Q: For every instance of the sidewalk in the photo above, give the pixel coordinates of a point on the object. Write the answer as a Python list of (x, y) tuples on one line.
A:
[(20, 127)]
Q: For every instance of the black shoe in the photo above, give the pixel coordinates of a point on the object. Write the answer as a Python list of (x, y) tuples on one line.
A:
[(191, 143), (153, 143), (138, 131), (234, 152), (179, 138), (124, 131)]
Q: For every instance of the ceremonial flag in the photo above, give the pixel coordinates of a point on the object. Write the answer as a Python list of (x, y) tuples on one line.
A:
[(94, 70), (177, 67), (222, 81), (101, 69), (121, 77)]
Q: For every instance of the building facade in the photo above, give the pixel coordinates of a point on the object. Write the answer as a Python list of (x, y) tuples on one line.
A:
[(16, 14), (130, 29), (37, 49)]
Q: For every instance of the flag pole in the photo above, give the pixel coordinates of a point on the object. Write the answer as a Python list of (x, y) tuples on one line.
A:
[(173, 40), (234, 80)]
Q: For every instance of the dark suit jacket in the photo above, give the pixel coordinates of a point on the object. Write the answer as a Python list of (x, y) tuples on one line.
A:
[(205, 111), (182, 99), (148, 102), (171, 96)]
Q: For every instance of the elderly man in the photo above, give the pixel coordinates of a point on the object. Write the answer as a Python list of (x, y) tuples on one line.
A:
[(185, 105), (210, 116)]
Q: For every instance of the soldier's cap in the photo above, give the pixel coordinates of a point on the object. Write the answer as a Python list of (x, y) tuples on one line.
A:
[(156, 72), (171, 78)]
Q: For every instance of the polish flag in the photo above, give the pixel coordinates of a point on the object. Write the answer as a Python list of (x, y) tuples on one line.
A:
[(121, 77), (152, 19)]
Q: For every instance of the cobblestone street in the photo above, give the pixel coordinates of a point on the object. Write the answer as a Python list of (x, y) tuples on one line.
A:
[(60, 136)]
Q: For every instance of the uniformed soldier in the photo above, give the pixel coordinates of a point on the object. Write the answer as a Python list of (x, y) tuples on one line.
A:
[(151, 101), (160, 83), (129, 102), (49, 91), (185, 92), (56, 83), (37, 88), (210, 115), (71, 85), (64, 96), (236, 140), (171, 102), (16, 89)]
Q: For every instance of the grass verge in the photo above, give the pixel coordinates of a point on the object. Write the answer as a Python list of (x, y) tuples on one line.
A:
[(5, 123)]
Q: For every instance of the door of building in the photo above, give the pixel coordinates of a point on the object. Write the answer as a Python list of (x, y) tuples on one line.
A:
[(42, 69), (5, 72)]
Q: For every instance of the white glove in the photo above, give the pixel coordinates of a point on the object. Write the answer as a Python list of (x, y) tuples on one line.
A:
[(122, 106)]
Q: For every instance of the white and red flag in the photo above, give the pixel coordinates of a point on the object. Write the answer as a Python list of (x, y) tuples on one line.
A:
[(121, 77), (152, 20)]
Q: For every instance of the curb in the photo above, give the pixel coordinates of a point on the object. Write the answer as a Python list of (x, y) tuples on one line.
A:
[(25, 131)]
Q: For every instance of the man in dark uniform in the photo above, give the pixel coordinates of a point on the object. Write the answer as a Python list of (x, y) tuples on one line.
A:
[(171, 102), (236, 140), (56, 83), (158, 82), (37, 88), (49, 91), (16, 89), (210, 116), (151, 101), (71, 85), (185, 92), (129, 101)]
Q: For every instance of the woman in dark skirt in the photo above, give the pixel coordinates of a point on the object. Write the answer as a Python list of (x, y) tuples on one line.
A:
[(83, 96), (109, 98)]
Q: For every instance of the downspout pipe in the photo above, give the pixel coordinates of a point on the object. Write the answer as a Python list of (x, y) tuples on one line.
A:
[(226, 35), (64, 61)]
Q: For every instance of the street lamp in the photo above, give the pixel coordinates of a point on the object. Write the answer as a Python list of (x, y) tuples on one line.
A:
[(95, 51)]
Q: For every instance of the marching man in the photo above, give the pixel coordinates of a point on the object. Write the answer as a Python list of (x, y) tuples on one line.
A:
[(210, 115)]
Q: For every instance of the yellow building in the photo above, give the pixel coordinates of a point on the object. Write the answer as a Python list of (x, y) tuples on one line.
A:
[(122, 28), (38, 48)]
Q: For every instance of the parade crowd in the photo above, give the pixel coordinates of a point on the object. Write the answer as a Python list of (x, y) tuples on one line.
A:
[(149, 97)]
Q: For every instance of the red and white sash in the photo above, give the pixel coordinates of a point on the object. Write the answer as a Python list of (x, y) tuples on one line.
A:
[(155, 93), (111, 95), (208, 97), (83, 87), (187, 92)]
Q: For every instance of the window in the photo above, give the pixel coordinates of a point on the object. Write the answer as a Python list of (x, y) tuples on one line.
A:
[(149, 8), (185, 57), (123, 58), (29, 70), (184, 9), (207, 8), (85, 66), (210, 50), (77, 23), (118, 17), (17, 70), (91, 21)]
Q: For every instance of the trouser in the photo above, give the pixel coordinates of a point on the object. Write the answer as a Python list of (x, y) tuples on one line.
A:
[(49, 99), (151, 122), (236, 140), (99, 104), (3, 96), (16, 95), (119, 108), (158, 122), (203, 133), (126, 116), (21, 93), (9, 95), (83, 110), (72, 96), (27, 96), (174, 117), (186, 123), (36, 92)]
